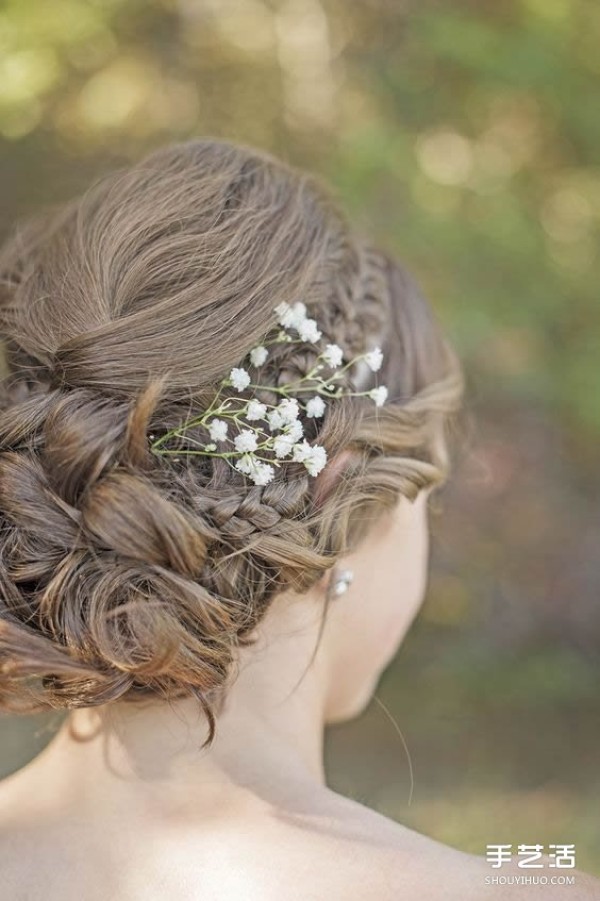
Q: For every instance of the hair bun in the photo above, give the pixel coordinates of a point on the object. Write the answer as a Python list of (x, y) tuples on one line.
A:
[(125, 574)]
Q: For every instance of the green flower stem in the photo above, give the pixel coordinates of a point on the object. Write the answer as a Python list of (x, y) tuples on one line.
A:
[(319, 388)]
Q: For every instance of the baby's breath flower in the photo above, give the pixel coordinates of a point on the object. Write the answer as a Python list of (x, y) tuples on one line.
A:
[(210, 447), (281, 309), (256, 410), (294, 430), (315, 407), (245, 464), (295, 317), (258, 355), (260, 473), (217, 429), (379, 395), (308, 331), (333, 355), (275, 420), (263, 473), (245, 441), (302, 451), (291, 316), (316, 460), (240, 379), (374, 359), (288, 409), (283, 445)]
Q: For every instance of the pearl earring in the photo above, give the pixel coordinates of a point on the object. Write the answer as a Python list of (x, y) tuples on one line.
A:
[(343, 582)]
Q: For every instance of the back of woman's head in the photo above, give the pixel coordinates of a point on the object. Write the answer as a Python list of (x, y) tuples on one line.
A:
[(125, 574)]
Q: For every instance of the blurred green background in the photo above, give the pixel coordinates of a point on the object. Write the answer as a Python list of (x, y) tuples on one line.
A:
[(465, 137)]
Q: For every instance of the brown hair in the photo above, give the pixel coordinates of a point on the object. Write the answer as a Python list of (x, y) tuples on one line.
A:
[(125, 575)]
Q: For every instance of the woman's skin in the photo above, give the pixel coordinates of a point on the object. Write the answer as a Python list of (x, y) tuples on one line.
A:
[(122, 805)]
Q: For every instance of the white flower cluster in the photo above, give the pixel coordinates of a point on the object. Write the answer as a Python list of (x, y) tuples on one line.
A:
[(295, 317), (266, 434)]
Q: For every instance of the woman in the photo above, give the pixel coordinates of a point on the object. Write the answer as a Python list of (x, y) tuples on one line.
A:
[(223, 415)]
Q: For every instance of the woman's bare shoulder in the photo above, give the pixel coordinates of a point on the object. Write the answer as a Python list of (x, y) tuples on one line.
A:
[(330, 848), (389, 860), (416, 866), (312, 867)]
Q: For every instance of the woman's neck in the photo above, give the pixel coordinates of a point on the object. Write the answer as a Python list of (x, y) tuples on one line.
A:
[(268, 747)]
